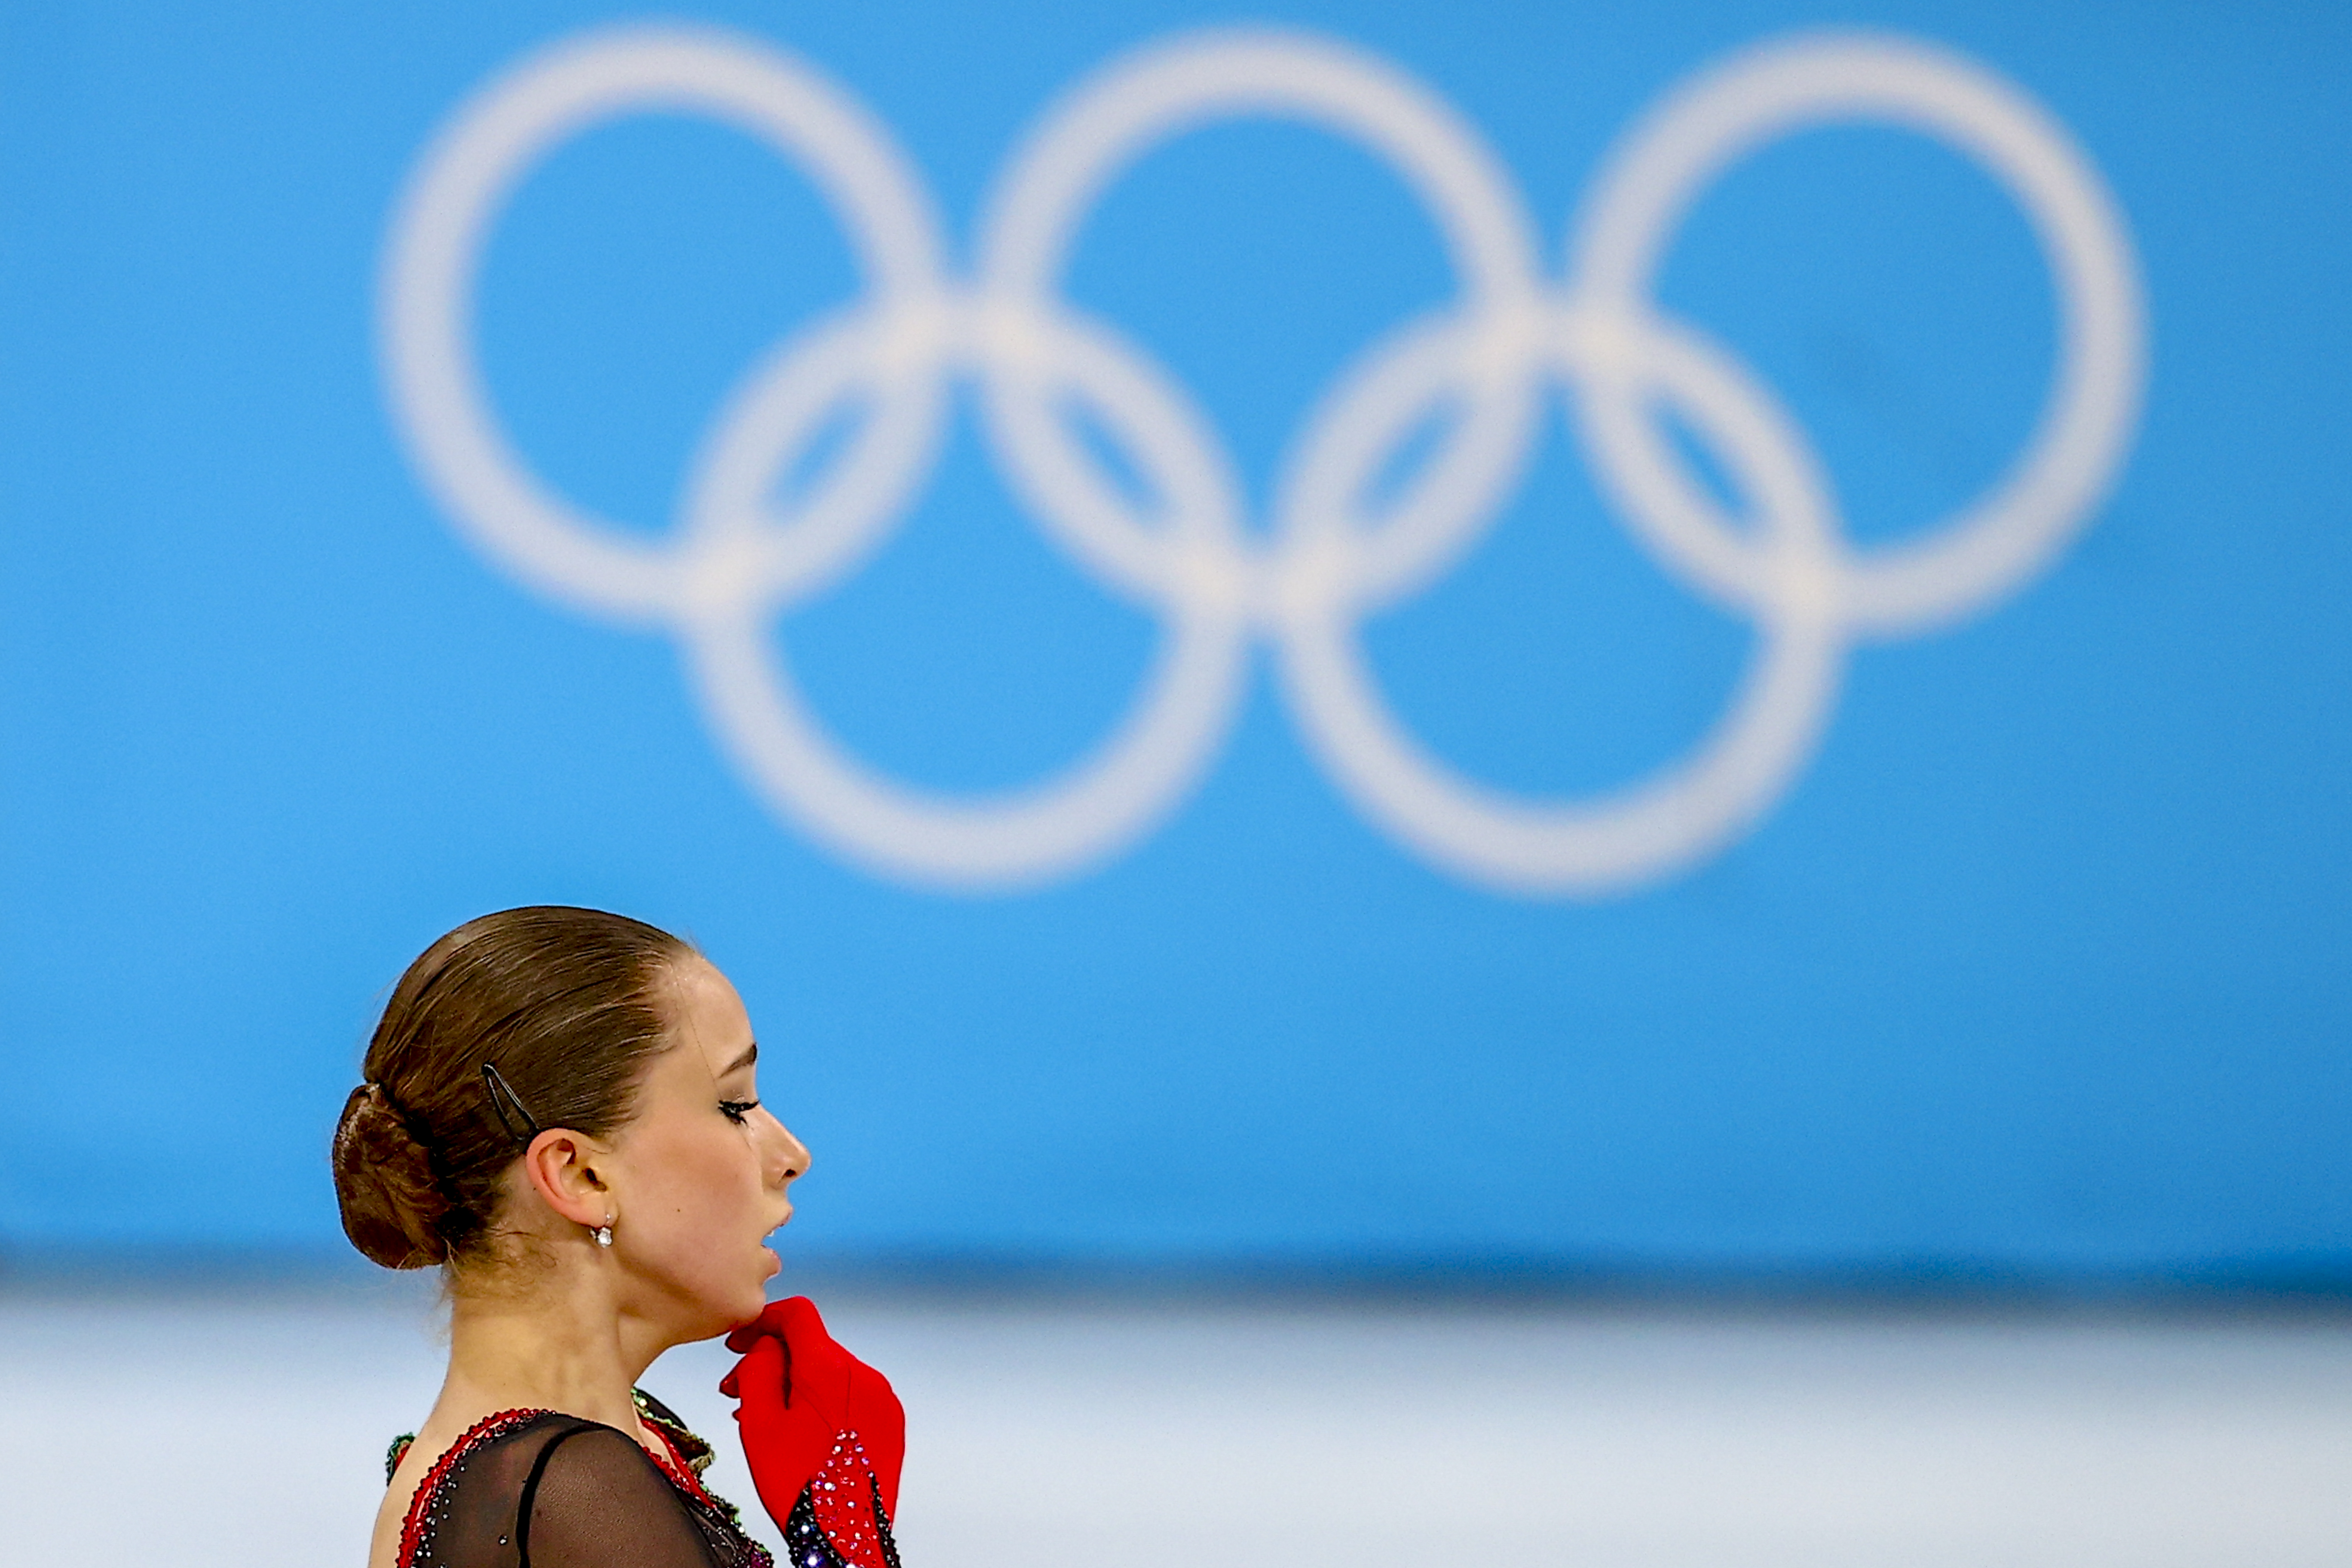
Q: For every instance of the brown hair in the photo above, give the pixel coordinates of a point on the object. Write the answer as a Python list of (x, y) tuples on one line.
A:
[(559, 1003)]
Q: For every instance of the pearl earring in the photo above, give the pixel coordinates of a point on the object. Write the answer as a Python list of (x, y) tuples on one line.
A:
[(603, 1233)]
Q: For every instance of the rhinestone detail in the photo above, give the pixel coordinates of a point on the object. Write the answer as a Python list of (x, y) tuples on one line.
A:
[(846, 1517)]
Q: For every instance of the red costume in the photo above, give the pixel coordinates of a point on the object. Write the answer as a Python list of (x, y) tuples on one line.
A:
[(536, 1488)]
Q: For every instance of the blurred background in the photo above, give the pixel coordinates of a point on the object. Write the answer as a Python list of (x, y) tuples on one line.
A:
[(1533, 783)]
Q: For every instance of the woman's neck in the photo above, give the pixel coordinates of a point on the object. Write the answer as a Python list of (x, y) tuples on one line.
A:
[(561, 1345)]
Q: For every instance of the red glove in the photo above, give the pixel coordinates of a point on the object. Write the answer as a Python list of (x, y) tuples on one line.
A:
[(816, 1419)]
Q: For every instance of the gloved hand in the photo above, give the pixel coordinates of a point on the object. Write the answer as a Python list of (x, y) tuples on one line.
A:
[(812, 1413)]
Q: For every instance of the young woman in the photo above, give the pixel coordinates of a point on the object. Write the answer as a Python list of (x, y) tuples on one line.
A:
[(560, 1111)]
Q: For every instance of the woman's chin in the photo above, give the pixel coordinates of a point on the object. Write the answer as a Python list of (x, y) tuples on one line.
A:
[(745, 1306)]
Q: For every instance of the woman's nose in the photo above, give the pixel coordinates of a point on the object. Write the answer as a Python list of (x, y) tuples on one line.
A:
[(788, 1159)]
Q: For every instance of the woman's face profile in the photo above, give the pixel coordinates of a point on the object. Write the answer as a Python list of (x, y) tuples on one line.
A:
[(700, 1174)]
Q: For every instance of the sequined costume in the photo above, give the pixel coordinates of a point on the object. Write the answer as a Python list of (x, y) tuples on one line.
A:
[(537, 1489)]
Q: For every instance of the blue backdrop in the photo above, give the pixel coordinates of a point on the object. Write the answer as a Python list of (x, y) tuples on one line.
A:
[(2018, 942)]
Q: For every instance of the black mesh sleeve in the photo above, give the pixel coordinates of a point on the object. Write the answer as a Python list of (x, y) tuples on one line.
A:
[(567, 1493), (600, 1502)]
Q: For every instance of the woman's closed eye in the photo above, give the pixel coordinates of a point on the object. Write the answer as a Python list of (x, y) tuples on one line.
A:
[(736, 1110)]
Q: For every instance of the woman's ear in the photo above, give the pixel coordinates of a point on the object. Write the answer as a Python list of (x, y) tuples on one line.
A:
[(562, 1164)]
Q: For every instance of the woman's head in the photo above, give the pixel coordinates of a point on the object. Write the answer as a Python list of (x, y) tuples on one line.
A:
[(619, 1088)]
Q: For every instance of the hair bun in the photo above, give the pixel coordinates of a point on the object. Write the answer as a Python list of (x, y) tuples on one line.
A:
[(391, 1201), (566, 1003)]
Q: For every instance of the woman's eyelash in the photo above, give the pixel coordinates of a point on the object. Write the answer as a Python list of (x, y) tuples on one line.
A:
[(736, 1110)]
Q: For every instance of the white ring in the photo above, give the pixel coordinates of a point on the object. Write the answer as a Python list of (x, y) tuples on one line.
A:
[(1116, 117), (2054, 486), (1682, 812), (1028, 836), (444, 220)]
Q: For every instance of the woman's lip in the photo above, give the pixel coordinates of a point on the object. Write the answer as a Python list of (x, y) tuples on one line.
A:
[(775, 1264)]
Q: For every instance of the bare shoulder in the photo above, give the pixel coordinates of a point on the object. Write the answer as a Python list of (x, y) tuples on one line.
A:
[(424, 1449), (439, 1434)]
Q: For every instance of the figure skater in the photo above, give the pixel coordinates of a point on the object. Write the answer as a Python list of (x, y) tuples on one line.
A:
[(560, 1111)]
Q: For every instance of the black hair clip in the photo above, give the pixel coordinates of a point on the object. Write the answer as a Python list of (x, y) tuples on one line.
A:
[(501, 1095)]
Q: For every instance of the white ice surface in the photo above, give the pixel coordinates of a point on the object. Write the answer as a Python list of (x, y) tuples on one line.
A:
[(251, 1433)]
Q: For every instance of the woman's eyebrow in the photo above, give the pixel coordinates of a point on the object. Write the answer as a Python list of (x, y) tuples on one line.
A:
[(751, 1054)]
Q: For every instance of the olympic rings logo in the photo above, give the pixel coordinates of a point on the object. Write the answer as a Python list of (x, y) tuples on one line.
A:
[(737, 558)]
